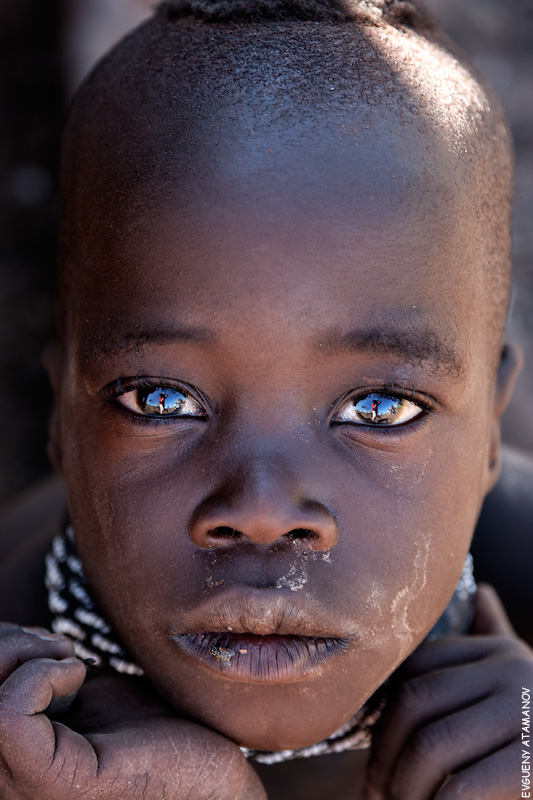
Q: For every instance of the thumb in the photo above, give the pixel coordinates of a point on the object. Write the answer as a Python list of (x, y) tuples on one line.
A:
[(29, 742)]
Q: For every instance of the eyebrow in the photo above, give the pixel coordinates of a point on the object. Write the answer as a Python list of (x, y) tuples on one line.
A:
[(110, 343), (421, 346)]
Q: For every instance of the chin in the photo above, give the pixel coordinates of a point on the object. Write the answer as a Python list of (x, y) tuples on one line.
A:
[(270, 725)]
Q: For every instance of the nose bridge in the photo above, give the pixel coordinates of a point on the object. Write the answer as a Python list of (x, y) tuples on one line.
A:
[(266, 458), (261, 497), (265, 485)]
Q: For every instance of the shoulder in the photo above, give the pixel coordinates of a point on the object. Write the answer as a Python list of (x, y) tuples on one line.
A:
[(503, 541), (27, 526)]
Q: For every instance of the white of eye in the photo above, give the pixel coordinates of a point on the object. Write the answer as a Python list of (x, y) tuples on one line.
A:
[(379, 410), (161, 401)]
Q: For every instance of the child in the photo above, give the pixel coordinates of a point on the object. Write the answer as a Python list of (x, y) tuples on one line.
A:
[(276, 221)]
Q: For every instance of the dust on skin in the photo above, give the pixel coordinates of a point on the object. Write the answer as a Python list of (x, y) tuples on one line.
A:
[(403, 599), (296, 577), (410, 477), (400, 604)]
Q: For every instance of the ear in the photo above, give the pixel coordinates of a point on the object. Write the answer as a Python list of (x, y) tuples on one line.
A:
[(511, 363), (53, 363)]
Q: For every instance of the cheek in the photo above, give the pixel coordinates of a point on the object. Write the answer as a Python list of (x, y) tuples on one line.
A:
[(125, 515), (408, 523), (439, 513)]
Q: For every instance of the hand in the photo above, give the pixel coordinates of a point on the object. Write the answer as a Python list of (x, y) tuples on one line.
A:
[(452, 729), (129, 745)]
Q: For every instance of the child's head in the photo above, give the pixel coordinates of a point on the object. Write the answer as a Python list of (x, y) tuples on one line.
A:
[(285, 274)]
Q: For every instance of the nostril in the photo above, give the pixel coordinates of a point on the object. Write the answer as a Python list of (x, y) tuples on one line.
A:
[(301, 533), (224, 532)]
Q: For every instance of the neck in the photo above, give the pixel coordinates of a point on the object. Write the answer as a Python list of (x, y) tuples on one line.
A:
[(339, 776)]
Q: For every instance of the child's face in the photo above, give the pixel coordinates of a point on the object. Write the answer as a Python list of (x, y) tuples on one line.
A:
[(280, 289)]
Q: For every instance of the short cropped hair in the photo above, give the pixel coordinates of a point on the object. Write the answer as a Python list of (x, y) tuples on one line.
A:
[(394, 12)]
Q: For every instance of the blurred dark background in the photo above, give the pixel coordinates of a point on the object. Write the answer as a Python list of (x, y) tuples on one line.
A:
[(44, 46), (31, 113)]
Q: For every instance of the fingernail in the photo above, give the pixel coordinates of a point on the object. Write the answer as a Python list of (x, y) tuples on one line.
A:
[(41, 633)]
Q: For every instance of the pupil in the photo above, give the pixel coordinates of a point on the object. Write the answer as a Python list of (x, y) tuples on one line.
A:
[(161, 401)]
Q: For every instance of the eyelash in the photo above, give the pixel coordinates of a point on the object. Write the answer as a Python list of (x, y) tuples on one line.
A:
[(123, 386)]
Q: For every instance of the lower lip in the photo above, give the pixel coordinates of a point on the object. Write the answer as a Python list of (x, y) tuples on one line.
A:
[(261, 659)]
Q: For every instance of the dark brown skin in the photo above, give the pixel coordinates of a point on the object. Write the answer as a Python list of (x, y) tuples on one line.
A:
[(37, 515), (293, 293)]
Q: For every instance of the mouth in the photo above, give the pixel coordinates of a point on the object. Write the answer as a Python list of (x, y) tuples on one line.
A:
[(261, 636), (251, 658)]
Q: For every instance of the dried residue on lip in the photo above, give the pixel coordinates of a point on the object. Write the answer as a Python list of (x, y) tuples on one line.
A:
[(224, 654)]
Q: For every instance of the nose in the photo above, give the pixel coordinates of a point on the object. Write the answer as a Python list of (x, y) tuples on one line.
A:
[(262, 506)]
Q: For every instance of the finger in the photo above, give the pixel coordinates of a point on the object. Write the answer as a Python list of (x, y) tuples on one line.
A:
[(453, 651), (451, 744), (10, 627), (419, 702), (27, 737), (490, 615), (18, 645), (497, 777), (206, 763), (431, 695)]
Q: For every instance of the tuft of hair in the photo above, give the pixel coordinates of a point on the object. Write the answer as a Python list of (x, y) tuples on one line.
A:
[(400, 13)]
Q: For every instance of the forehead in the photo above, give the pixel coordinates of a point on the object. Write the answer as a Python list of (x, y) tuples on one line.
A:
[(326, 228)]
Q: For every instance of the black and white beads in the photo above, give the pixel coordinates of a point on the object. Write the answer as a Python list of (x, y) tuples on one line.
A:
[(75, 612)]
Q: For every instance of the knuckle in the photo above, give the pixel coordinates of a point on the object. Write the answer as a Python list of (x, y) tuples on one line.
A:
[(431, 742), (511, 647), (520, 671), (462, 789), (517, 670)]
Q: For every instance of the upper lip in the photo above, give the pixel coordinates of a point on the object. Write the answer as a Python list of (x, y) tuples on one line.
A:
[(263, 612)]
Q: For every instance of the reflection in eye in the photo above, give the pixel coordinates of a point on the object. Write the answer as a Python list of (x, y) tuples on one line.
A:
[(378, 409), (160, 401)]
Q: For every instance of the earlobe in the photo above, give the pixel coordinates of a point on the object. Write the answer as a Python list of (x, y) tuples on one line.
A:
[(53, 363), (511, 364)]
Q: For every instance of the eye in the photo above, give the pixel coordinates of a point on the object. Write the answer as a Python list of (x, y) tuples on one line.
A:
[(150, 400), (378, 409)]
